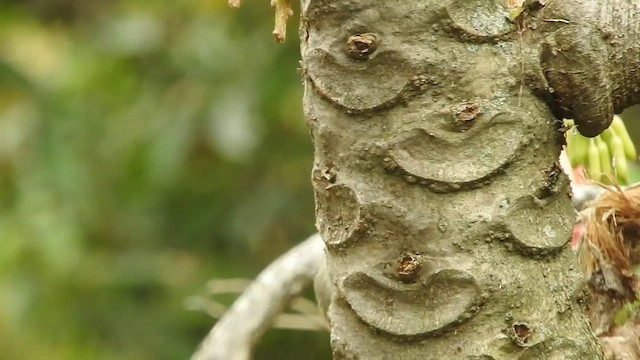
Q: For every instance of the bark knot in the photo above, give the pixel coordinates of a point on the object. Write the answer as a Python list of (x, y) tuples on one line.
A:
[(361, 46)]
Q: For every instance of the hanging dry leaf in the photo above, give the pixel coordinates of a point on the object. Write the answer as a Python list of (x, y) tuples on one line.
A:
[(283, 11)]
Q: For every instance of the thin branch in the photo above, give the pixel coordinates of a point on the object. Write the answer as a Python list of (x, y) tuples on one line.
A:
[(242, 326)]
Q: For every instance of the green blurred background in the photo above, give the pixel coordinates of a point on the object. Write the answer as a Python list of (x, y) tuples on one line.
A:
[(145, 147)]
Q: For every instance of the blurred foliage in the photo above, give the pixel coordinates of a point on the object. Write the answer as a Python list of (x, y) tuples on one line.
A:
[(145, 147), (631, 117)]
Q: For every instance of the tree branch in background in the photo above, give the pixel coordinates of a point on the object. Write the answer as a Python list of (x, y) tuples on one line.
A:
[(305, 317), (240, 328)]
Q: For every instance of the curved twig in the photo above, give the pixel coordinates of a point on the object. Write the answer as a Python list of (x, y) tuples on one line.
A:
[(240, 328)]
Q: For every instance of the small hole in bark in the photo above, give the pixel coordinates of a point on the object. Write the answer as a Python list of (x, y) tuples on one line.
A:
[(408, 267), (522, 332), (361, 46), (329, 172), (552, 176)]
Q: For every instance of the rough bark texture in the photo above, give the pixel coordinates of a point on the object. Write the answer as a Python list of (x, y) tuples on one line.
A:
[(590, 57), (438, 194)]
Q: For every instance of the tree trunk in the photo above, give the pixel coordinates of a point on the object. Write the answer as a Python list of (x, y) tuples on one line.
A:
[(438, 193)]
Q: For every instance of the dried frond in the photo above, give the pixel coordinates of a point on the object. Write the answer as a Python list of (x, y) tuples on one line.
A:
[(612, 229), (609, 255)]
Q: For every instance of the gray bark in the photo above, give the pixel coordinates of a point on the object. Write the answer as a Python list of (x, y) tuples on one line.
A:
[(438, 194)]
